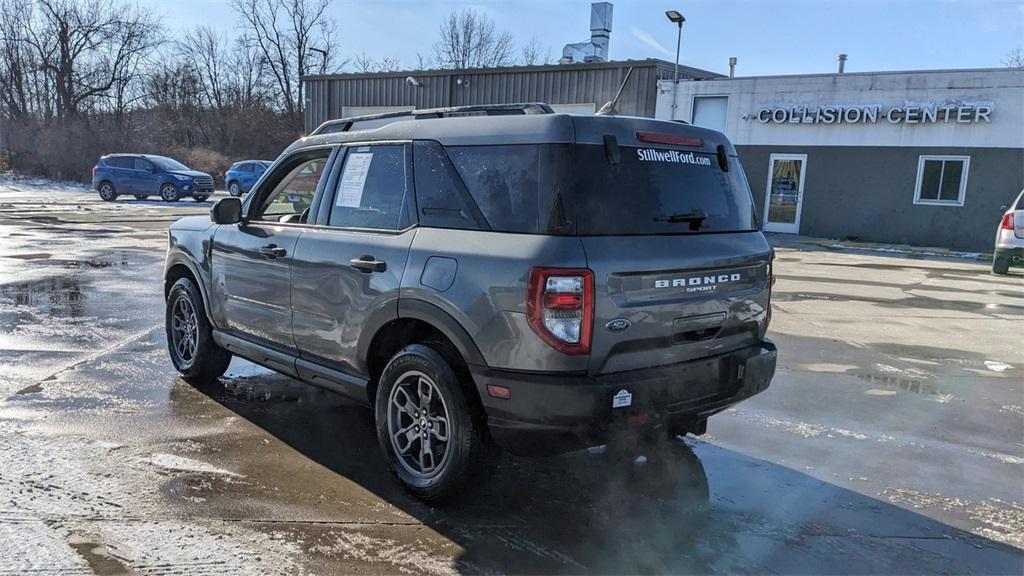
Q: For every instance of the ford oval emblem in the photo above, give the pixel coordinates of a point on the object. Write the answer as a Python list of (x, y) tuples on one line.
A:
[(618, 325)]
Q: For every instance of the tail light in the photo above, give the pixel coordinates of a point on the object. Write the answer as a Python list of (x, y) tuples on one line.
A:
[(560, 307), (93, 171), (1007, 221)]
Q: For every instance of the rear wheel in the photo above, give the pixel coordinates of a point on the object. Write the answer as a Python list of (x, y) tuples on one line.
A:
[(234, 189), (169, 192), (1000, 265), (190, 337), (424, 423), (107, 192)]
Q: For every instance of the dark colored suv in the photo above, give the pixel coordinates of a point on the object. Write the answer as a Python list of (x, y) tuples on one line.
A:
[(488, 275), (144, 175)]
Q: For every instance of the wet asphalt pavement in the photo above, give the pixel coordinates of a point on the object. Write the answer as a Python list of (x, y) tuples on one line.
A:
[(890, 442)]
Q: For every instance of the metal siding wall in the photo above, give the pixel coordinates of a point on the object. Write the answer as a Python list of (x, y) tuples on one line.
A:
[(566, 85)]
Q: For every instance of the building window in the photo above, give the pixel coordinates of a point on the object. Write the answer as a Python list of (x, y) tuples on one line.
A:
[(710, 112), (941, 180)]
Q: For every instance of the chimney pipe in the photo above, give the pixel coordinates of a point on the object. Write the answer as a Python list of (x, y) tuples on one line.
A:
[(732, 67), (842, 62)]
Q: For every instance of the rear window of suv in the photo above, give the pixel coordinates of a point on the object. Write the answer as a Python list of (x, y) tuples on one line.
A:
[(660, 191)]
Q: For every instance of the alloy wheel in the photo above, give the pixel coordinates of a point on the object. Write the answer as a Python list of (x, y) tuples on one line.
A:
[(184, 331), (418, 424), (107, 192), (168, 193)]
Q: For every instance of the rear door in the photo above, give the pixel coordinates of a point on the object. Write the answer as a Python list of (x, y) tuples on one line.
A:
[(349, 267), (252, 261), (679, 265)]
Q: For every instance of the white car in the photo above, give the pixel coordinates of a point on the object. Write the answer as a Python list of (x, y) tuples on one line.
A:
[(1010, 238)]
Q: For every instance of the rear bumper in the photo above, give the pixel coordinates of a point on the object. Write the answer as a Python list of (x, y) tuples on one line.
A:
[(553, 413), (1014, 254)]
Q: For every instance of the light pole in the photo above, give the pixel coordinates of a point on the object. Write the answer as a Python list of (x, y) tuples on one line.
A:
[(678, 19)]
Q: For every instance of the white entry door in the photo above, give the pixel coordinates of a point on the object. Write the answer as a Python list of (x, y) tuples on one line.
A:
[(785, 194)]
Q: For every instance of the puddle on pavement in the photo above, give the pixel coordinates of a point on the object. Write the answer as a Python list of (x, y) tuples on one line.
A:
[(916, 386), (100, 561), (32, 256), (59, 296)]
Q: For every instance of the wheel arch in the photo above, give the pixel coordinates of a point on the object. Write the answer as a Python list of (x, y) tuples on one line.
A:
[(418, 321), (182, 267)]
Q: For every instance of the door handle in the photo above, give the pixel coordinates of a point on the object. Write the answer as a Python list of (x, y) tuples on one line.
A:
[(273, 251), (368, 264)]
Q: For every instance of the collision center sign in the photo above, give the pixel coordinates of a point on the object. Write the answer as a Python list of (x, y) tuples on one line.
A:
[(874, 114)]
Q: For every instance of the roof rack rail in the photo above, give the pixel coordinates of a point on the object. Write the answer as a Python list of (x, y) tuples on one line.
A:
[(346, 124)]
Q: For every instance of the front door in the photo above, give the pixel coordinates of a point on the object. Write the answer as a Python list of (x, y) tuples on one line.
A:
[(350, 266), (144, 178), (785, 193), (252, 260)]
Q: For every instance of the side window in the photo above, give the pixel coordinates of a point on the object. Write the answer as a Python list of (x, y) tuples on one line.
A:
[(372, 189), (440, 196), (293, 195), (120, 162), (245, 167), (143, 164), (503, 181)]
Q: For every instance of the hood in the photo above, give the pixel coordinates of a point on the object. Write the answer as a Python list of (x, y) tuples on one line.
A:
[(196, 223), (187, 173)]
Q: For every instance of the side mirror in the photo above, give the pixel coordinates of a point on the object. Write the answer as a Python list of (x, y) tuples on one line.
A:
[(226, 211)]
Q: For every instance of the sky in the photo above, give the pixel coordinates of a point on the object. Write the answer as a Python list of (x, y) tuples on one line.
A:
[(768, 37)]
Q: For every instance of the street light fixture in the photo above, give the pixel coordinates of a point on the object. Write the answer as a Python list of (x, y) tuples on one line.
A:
[(678, 19)]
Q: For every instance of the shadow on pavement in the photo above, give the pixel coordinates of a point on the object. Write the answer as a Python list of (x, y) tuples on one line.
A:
[(589, 512)]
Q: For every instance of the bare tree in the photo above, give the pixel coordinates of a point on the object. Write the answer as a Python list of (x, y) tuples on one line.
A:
[(286, 32), (363, 62), (530, 53), (467, 39), (88, 46), (1014, 58)]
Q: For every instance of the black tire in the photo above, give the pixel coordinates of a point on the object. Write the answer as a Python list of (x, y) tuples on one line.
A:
[(202, 360), (234, 189), (468, 443), (200, 198), (1000, 265), (140, 196), (169, 192), (108, 193)]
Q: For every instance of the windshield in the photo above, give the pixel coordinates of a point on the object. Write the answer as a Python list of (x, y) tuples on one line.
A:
[(167, 163), (660, 191)]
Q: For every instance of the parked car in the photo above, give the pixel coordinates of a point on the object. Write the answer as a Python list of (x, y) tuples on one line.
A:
[(1010, 238), (242, 175), (144, 175), (541, 282)]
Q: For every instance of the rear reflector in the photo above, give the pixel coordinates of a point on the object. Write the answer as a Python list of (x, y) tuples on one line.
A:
[(499, 391), (656, 138), (1007, 221)]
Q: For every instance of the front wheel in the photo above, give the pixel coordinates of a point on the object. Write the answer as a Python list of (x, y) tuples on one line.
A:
[(107, 192), (190, 337), (169, 193), (425, 425)]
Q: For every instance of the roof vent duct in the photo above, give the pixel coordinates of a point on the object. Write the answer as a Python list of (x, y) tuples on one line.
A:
[(842, 63), (596, 50)]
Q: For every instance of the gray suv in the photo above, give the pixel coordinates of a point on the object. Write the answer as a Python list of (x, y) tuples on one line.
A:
[(488, 276)]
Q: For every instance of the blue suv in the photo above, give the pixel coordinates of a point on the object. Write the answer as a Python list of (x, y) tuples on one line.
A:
[(242, 175), (143, 175)]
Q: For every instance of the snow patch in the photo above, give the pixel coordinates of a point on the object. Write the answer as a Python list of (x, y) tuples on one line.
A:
[(997, 366), (173, 463)]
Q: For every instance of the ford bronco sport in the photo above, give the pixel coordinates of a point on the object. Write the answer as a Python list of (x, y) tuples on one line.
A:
[(484, 276)]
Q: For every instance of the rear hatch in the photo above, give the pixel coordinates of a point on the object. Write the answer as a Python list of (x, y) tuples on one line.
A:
[(667, 221)]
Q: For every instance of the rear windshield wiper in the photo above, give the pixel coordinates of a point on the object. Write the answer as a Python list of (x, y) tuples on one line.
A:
[(695, 219)]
